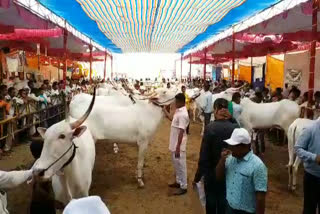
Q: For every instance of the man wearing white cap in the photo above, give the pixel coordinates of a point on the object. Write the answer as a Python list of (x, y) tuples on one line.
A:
[(246, 175), (88, 205)]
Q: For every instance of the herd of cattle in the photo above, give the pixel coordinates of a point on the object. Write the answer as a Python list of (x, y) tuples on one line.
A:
[(116, 113)]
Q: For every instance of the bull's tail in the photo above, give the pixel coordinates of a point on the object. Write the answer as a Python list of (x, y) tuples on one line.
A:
[(291, 142)]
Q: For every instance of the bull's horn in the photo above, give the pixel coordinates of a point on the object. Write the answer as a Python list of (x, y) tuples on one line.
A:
[(78, 123)]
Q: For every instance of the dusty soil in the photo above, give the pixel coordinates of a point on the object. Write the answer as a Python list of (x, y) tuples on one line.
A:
[(114, 178)]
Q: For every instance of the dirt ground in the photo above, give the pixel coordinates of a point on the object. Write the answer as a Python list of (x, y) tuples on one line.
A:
[(114, 178)]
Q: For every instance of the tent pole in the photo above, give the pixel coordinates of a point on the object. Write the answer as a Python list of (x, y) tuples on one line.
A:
[(181, 68), (190, 67), (111, 67), (105, 66), (313, 50), (312, 54), (65, 39), (90, 48), (233, 58), (58, 69), (205, 65)]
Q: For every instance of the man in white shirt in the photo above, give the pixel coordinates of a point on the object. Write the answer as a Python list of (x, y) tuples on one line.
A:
[(207, 104), (178, 143)]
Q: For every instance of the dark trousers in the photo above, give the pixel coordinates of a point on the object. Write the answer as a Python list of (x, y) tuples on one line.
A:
[(230, 210), (311, 186), (215, 198), (207, 117)]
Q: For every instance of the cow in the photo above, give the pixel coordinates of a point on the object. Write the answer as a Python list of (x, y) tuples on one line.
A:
[(295, 130), (67, 157), (134, 123)]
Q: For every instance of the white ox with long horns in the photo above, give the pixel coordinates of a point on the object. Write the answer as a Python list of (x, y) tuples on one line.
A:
[(68, 157), (135, 123)]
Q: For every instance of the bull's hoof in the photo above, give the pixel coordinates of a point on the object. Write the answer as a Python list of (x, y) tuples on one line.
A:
[(140, 183)]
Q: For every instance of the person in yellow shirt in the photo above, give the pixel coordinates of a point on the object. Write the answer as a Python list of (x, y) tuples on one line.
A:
[(188, 100)]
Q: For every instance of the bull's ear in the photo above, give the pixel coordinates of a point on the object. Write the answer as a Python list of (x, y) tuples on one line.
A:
[(41, 131), (79, 131)]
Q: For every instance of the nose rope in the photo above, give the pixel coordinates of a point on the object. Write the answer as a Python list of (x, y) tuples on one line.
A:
[(65, 164)]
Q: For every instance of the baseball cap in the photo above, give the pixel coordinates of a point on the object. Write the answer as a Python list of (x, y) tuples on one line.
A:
[(88, 205), (239, 136)]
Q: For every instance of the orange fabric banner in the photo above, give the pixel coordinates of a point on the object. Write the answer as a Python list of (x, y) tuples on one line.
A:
[(33, 62), (275, 73), (245, 73)]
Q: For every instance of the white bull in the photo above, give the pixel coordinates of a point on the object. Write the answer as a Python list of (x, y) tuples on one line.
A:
[(268, 115), (68, 150), (135, 123), (295, 130)]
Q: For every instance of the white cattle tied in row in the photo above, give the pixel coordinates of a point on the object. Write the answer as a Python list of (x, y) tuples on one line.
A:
[(268, 115), (68, 150), (294, 132), (135, 123)]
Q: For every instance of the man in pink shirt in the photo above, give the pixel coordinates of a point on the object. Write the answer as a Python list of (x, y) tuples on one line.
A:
[(178, 143)]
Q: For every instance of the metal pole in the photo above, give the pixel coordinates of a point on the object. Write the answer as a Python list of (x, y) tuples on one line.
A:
[(181, 68), (313, 51), (111, 67), (105, 66), (59, 70), (90, 48), (233, 58), (205, 65), (39, 63), (312, 54), (65, 39), (190, 67)]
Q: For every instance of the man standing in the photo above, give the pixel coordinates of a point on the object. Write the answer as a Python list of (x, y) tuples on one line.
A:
[(245, 174), (183, 90), (212, 145), (207, 104), (178, 143), (308, 150)]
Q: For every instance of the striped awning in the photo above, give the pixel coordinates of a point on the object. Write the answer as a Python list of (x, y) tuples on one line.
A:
[(153, 25)]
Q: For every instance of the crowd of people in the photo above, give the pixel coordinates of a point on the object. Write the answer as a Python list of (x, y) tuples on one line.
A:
[(235, 178), (28, 103)]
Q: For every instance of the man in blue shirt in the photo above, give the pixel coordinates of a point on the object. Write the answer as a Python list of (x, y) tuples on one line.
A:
[(246, 175), (308, 150), (207, 104)]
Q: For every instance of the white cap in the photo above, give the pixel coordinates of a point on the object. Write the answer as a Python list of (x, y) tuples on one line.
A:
[(88, 205), (239, 136)]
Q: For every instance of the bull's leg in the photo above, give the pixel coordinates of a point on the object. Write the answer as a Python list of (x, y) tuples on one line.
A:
[(290, 176), (143, 145), (294, 173), (194, 111), (290, 170)]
